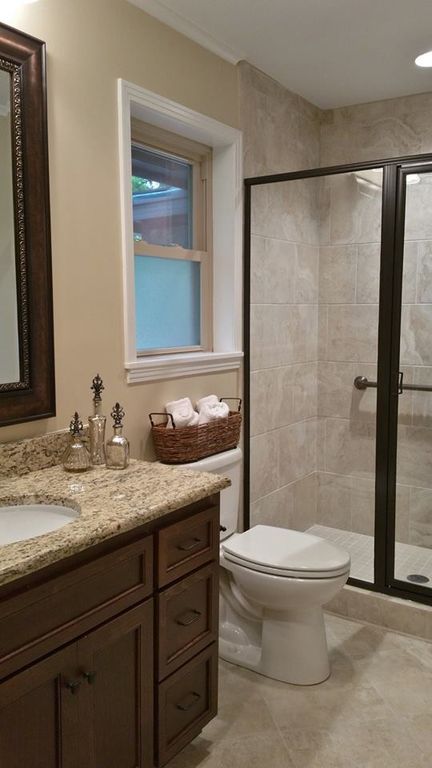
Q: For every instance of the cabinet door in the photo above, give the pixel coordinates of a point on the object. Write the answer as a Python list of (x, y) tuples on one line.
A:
[(39, 715), (116, 662)]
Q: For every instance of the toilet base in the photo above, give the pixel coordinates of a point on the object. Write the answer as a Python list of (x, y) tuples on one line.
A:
[(293, 646)]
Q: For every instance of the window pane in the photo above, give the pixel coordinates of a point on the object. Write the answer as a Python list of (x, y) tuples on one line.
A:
[(167, 300), (162, 198)]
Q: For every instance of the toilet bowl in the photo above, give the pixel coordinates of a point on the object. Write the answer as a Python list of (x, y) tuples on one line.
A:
[(273, 584)]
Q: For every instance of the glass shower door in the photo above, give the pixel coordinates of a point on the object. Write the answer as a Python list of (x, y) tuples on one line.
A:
[(413, 518)]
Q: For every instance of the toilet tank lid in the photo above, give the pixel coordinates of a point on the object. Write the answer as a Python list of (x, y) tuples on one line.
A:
[(285, 549), (215, 463)]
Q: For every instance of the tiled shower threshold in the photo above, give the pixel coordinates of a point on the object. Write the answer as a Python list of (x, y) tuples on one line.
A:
[(409, 559)]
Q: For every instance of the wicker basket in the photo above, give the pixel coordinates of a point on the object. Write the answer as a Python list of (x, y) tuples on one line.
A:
[(182, 445)]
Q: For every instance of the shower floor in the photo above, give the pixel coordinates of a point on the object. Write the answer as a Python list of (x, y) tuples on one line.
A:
[(409, 558)]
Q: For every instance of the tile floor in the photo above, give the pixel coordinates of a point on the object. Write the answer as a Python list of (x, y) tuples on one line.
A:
[(409, 558), (375, 711)]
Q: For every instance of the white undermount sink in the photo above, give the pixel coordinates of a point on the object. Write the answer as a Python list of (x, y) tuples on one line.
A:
[(25, 521)]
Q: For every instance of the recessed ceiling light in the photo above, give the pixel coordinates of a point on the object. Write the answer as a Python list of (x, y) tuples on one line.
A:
[(424, 60)]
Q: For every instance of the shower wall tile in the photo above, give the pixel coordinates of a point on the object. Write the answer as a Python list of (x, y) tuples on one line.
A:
[(297, 451), (305, 502), (265, 335), (282, 396), (306, 274), (390, 128), (346, 502), (350, 447), (276, 508), (420, 517), (337, 395), (352, 333), (264, 456), (414, 460), (273, 267), (422, 401), (300, 331), (424, 273), (321, 444), (271, 403), (363, 505), (280, 129), (334, 500), (287, 211), (368, 273), (337, 274), (416, 334), (354, 216), (304, 391), (402, 516), (410, 257), (418, 221), (322, 331)]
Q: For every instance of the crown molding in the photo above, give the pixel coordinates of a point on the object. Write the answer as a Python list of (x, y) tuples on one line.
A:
[(186, 27)]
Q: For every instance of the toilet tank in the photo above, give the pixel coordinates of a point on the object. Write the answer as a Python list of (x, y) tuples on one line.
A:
[(228, 464)]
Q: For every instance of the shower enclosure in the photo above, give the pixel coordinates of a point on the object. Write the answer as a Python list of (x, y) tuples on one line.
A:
[(338, 372)]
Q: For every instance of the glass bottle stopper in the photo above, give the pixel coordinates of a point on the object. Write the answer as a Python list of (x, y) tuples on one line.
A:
[(97, 387), (76, 425), (118, 415)]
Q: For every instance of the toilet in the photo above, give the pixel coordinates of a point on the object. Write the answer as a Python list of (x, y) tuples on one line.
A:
[(273, 584)]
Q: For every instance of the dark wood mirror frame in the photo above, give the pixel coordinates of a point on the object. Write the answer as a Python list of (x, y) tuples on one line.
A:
[(33, 396)]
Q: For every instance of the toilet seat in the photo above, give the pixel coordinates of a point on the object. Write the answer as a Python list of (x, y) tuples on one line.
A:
[(283, 552)]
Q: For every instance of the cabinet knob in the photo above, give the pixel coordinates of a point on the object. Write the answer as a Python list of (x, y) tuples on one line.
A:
[(90, 677), (73, 686)]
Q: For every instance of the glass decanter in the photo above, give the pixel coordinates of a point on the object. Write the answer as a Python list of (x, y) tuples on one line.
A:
[(117, 448), (76, 457)]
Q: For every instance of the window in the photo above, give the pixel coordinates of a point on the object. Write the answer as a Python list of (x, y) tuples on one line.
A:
[(172, 238), (170, 130)]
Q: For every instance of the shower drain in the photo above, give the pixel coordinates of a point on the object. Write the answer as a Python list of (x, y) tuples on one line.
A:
[(417, 578)]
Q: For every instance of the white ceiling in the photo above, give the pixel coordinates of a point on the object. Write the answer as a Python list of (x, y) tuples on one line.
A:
[(332, 52)]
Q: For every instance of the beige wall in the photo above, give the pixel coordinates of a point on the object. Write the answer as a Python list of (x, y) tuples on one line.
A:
[(89, 46)]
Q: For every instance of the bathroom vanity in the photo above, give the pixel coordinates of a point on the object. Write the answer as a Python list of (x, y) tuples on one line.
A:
[(108, 652)]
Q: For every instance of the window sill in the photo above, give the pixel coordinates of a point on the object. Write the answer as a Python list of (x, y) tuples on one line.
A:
[(177, 366)]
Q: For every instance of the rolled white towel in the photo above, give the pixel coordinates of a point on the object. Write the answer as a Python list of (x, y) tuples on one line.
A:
[(206, 400), (212, 412), (182, 413)]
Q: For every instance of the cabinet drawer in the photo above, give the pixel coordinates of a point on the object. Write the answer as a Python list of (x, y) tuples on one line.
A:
[(188, 618), (187, 701), (34, 623), (187, 545)]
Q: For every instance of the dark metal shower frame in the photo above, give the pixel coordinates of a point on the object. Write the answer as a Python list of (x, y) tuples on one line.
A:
[(395, 171)]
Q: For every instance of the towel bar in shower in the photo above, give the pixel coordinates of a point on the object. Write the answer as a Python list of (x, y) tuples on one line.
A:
[(362, 382)]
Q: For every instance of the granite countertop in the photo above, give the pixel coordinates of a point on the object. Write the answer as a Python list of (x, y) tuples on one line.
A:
[(109, 502)]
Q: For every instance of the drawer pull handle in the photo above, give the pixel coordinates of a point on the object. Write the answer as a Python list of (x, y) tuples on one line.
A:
[(188, 618), (90, 677), (73, 686), (189, 545), (189, 701)]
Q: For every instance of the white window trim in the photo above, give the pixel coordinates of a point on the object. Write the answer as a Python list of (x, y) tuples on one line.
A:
[(227, 235)]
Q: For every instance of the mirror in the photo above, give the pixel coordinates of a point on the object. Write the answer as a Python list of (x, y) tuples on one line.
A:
[(9, 341), (26, 329)]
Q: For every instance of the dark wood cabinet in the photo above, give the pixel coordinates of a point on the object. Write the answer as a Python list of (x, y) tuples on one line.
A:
[(89, 705), (39, 719), (112, 663)]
